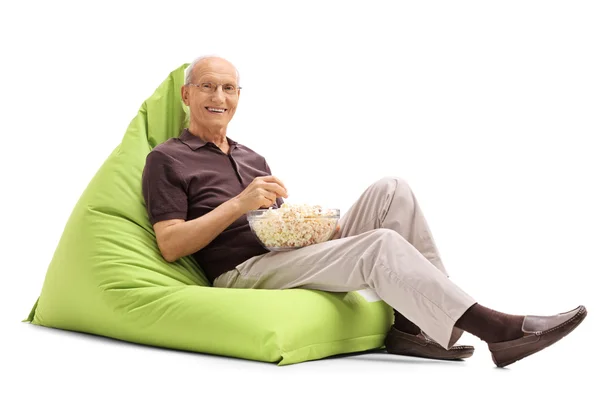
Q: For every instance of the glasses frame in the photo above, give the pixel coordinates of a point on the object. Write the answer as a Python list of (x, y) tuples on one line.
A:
[(198, 85)]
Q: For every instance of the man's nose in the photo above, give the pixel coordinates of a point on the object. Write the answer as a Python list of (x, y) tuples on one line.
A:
[(218, 94)]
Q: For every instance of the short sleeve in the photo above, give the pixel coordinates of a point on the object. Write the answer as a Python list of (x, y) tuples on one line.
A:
[(163, 188), (278, 200)]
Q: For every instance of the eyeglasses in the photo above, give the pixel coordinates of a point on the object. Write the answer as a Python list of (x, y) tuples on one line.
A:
[(210, 87)]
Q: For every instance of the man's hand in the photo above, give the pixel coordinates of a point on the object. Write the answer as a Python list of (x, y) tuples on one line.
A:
[(338, 232), (262, 192)]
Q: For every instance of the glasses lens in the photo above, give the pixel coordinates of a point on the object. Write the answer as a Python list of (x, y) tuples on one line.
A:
[(207, 87), (229, 89)]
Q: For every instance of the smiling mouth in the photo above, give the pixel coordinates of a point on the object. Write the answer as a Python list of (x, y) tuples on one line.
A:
[(214, 110)]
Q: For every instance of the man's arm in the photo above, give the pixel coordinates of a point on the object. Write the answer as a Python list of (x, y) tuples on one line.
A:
[(177, 238), (165, 195)]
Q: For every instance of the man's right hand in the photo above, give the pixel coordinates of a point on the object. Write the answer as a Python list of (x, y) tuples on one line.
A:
[(173, 236), (262, 192)]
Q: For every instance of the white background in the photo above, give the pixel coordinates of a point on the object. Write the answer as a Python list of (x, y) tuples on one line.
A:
[(490, 110)]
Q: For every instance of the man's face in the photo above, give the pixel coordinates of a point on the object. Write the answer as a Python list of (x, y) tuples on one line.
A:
[(213, 103)]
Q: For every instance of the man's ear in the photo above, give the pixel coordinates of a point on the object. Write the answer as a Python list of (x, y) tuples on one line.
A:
[(184, 95)]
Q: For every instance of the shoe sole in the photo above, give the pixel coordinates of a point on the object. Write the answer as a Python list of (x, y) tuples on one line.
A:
[(453, 357)]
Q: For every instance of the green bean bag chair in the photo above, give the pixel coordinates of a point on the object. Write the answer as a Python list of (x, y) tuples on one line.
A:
[(107, 276)]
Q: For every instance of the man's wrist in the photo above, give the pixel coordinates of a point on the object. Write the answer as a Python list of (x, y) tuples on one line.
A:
[(236, 207)]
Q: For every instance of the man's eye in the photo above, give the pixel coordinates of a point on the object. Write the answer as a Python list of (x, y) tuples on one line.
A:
[(229, 88), (207, 85)]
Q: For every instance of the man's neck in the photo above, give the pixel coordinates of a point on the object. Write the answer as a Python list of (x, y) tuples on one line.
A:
[(218, 137)]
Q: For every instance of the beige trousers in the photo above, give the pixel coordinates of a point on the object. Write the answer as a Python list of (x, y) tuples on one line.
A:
[(385, 245)]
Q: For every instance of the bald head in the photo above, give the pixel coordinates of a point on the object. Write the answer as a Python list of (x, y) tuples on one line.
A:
[(209, 62)]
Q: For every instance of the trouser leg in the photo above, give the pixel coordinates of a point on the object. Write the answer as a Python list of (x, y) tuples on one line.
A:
[(390, 203)]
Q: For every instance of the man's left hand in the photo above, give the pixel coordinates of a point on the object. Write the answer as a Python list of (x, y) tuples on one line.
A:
[(338, 232)]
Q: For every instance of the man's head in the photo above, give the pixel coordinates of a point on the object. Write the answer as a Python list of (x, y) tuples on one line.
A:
[(212, 91)]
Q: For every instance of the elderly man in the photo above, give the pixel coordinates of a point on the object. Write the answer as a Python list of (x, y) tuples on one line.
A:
[(199, 186)]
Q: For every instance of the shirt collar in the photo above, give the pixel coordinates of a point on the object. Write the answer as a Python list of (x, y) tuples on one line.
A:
[(194, 142)]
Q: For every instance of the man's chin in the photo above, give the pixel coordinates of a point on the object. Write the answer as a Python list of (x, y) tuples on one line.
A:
[(215, 123)]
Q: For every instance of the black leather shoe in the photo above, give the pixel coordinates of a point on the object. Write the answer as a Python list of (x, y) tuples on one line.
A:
[(539, 333), (421, 345)]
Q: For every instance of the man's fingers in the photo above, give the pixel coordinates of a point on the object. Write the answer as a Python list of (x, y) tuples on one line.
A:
[(271, 178), (275, 188), (267, 194)]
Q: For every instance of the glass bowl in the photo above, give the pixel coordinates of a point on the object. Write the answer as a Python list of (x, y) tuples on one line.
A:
[(278, 231)]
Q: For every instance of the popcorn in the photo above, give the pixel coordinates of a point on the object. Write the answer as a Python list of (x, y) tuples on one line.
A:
[(294, 225)]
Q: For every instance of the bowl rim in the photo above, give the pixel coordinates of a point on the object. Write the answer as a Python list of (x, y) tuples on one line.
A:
[(261, 211)]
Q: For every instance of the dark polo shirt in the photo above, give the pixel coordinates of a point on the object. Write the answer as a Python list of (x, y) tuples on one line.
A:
[(186, 177)]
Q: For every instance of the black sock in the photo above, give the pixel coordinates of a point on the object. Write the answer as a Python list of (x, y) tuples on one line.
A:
[(489, 325), (404, 325)]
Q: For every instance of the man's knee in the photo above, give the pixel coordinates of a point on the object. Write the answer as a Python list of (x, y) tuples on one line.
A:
[(391, 183)]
